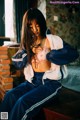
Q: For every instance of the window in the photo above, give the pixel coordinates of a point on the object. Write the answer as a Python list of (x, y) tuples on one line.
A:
[(9, 19)]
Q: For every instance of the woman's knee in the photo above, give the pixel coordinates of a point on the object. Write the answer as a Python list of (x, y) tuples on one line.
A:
[(9, 95)]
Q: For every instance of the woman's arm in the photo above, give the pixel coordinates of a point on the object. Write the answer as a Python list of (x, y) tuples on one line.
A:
[(19, 60), (64, 55)]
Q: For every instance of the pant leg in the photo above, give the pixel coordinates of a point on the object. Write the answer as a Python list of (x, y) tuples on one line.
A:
[(29, 104), (13, 95)]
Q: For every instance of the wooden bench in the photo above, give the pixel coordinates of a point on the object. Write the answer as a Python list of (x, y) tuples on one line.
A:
[(65, 107)]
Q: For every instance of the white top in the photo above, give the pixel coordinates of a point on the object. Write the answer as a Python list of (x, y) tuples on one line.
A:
[(54, 73)]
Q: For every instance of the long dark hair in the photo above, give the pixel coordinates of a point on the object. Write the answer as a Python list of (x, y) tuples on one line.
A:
[(27, 37)]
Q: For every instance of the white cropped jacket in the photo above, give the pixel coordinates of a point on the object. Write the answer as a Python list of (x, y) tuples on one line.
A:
[(54, 73)]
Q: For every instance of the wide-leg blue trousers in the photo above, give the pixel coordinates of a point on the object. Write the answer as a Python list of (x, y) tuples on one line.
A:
[(25, 101)]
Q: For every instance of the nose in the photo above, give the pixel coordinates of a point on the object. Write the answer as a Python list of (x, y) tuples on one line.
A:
[(35, 29)]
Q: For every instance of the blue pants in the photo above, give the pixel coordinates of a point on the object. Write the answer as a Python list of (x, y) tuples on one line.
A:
[(25, 101)]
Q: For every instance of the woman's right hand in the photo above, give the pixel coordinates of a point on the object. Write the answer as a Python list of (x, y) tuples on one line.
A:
[(36, 50)]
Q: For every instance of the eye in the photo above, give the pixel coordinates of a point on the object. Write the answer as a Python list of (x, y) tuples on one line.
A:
[(37, 26), (31, 27)]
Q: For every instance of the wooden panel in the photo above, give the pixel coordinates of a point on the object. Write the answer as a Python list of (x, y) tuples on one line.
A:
[(52, 115), (2, 39)]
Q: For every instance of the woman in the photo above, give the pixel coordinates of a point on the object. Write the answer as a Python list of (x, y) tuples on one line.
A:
[(42, 72)]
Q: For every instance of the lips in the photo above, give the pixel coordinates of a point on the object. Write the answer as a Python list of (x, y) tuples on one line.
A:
[(37, 33)]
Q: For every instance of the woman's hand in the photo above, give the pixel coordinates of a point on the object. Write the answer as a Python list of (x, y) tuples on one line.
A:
[(37, 50), (42, 54)]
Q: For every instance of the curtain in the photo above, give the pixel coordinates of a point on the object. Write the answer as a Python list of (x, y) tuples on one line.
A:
[(20, 7)]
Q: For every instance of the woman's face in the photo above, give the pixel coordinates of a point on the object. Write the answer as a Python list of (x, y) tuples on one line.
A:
[(35, 28)]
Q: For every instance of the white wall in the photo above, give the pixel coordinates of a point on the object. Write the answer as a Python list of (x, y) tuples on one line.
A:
[(9, 19), (42, 7)]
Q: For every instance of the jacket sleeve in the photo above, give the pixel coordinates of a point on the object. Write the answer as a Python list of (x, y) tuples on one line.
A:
[(63, 56), (19, 60)]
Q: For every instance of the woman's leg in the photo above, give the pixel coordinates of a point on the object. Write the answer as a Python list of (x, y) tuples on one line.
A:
[(29, 104), (13, 95)]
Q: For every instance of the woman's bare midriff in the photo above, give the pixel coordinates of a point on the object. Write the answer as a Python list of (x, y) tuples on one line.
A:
[(41, 66)]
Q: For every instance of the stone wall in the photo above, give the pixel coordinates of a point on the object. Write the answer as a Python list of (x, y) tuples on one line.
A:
[(64, 21)]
